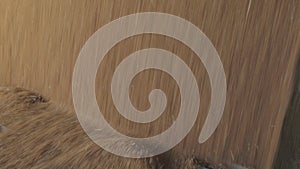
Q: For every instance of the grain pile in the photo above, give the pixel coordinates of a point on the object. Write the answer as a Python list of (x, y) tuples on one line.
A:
[(37, 134)]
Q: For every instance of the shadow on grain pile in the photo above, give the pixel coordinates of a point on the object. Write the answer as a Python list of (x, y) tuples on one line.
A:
[(35, 133)]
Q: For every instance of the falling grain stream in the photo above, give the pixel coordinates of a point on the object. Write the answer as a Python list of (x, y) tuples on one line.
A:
[(258, 43)]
